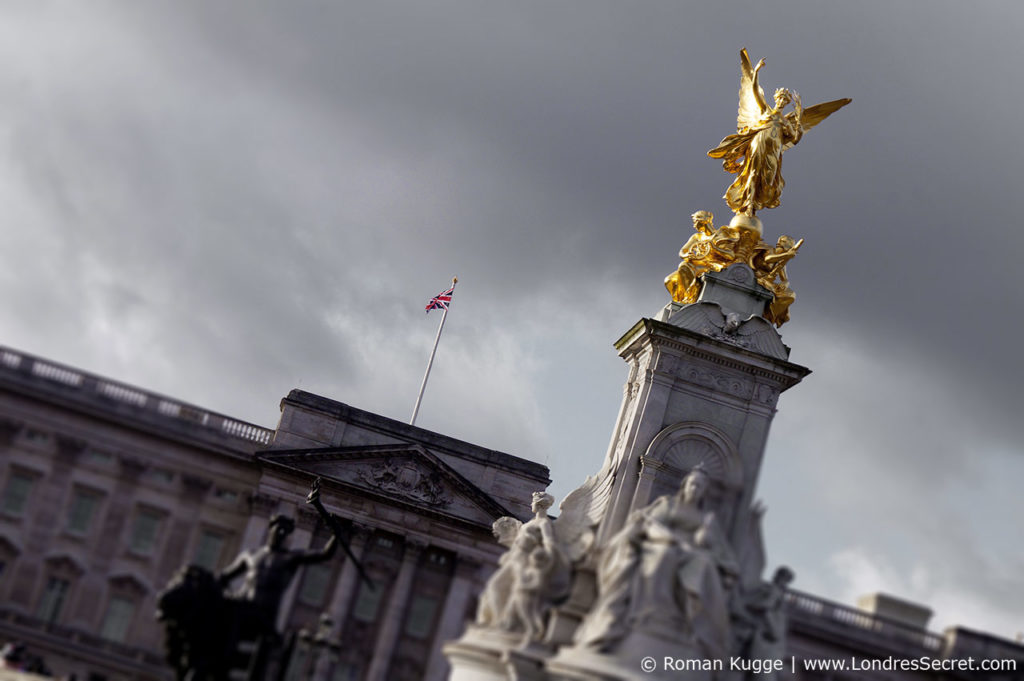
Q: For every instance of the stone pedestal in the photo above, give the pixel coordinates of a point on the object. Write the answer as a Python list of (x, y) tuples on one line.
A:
[(641, 657), (491, 655), (703, 384), (735, 290)]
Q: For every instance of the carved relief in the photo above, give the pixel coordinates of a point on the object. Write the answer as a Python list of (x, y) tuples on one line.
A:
[(668, 364), (728, 334), (643, 372), (633, 368), (767, 395), (679, 367), (406, 479), (741, 275), (690, 452), (684, 446), (753, 333), (729, 384), (627, 419)]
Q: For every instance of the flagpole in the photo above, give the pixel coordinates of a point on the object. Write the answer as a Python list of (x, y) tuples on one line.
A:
[(423, 386)]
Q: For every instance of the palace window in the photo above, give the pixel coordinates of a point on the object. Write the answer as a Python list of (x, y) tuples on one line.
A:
[(209, 549), (314, 584), (144, 531), (420, 620), (99, 457), (225, 494), (160, 475), (118, 619), (16, 493), (54, 595), (37, 437), (367, 605), (81, 511)]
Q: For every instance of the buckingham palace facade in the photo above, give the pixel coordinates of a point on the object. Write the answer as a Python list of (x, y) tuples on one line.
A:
[(107, 489)]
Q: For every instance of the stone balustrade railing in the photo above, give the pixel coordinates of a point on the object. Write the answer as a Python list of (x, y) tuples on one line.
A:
[(805, 606), (87, 384)]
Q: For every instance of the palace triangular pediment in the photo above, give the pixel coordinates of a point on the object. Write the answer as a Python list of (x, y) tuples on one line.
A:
[(407, 474)]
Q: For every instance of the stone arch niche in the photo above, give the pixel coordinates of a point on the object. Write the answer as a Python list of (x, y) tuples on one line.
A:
[(675, 451)]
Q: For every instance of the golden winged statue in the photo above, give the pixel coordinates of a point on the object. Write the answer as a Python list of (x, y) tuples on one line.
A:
[(763, 133)]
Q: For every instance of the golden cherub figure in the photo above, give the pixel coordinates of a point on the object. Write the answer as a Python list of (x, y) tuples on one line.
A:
[(706, 249), (769, 265), (712, 249), (763, 133)]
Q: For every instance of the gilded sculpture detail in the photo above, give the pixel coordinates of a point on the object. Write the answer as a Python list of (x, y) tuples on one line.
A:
[(763, 133), (754, 155), (712, 249)]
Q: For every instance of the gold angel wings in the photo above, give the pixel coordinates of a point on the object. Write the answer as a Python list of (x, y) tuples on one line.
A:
[(763, 132)]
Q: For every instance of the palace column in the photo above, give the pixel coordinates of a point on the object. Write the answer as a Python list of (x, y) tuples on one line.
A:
[(345, 588), (301, 537), (391, 628), (453, 616)]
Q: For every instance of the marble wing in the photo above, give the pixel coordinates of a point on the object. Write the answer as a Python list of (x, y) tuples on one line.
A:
[(580, 512)]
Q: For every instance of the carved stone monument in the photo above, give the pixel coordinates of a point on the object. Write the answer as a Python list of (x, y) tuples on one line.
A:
[(658, 557)]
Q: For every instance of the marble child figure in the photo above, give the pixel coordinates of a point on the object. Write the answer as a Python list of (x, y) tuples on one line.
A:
[(531, 576)]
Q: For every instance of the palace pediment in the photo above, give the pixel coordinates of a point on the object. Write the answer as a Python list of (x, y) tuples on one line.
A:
[(407, 474)]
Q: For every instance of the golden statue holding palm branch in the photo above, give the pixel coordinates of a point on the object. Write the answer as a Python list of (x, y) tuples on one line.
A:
[(754, 155), (763, 133)]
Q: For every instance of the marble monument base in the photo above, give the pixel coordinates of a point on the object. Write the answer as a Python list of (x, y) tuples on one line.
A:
[(492, 655), (641, 656)]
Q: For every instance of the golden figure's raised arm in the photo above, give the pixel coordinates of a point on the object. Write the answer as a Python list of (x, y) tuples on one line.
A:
[(752, 104)]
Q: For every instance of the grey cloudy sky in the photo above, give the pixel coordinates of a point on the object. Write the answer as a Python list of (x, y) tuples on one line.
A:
[(224, 201)]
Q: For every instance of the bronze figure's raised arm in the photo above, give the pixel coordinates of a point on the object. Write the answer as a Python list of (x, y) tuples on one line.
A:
[(763, 133), (206, 621)]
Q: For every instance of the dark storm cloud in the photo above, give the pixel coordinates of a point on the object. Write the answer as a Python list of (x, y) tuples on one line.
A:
[(222, 201)]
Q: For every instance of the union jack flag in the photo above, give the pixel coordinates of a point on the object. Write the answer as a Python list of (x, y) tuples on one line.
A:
[(441, 300)]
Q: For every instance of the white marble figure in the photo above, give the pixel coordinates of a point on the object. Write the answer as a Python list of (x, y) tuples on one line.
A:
[(505, 530), (528, 606), (667, 573), (532, 575), (763, 619), (499, 587)]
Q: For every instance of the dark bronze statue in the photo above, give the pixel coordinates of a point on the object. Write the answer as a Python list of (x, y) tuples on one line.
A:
[(205, 624)]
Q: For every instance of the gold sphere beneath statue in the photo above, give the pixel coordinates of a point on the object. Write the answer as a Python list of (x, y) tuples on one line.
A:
[(748, 223)]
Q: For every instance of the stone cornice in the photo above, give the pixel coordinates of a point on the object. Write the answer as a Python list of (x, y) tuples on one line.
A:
[(397, 429), (649, 333)]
